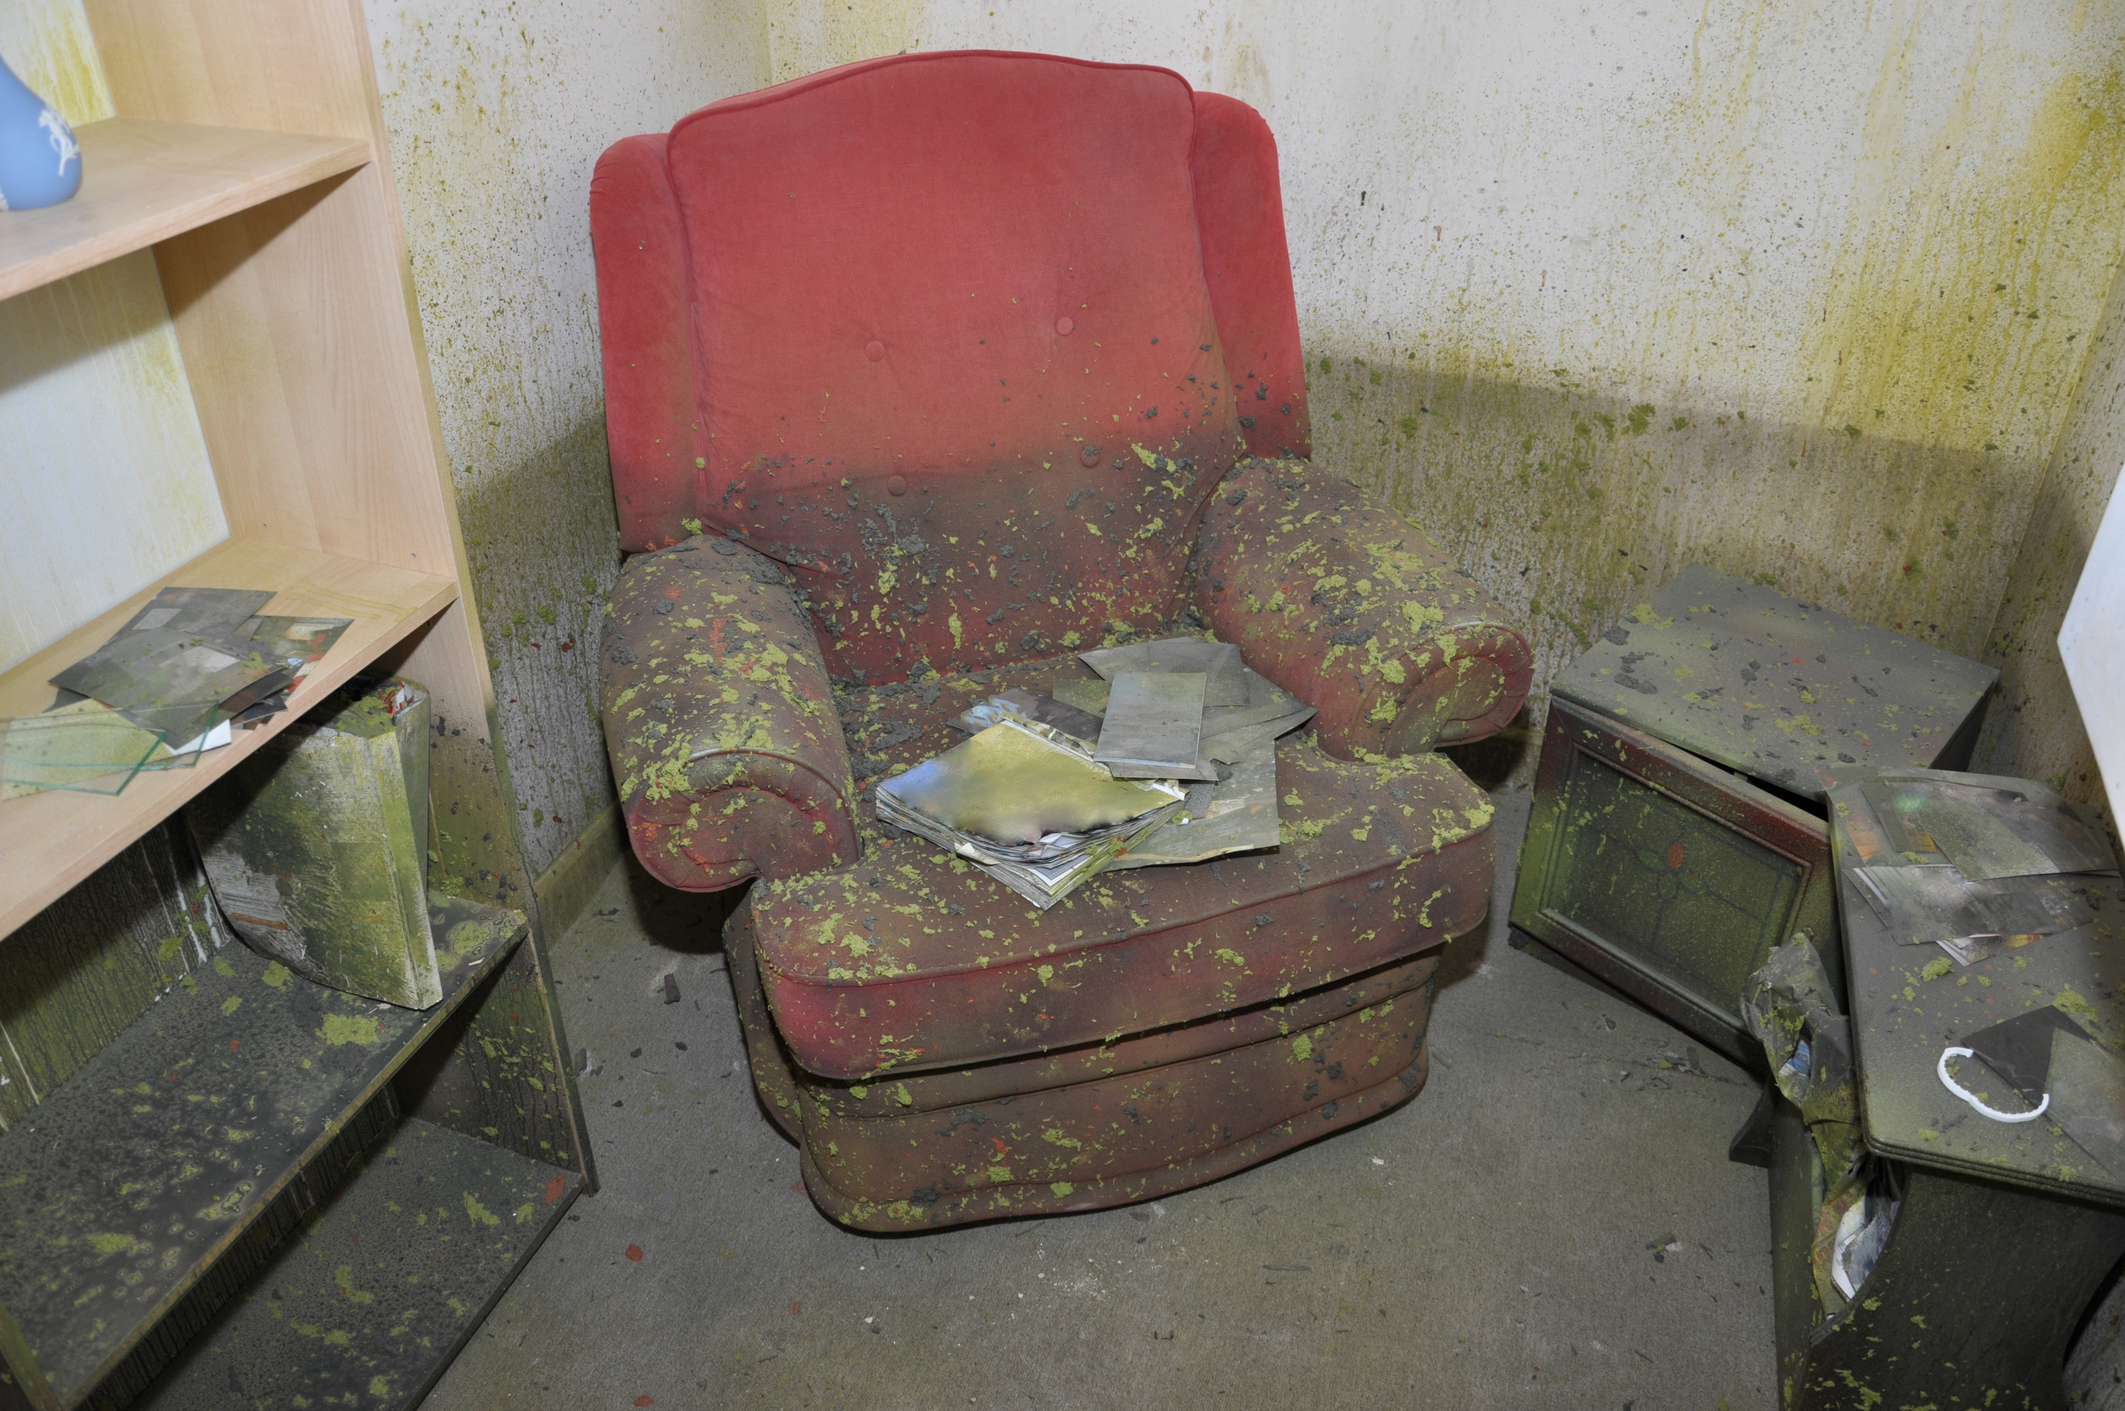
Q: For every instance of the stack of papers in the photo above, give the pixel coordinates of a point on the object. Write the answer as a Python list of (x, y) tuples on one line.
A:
[(2008, 878), (1027, 807), (1183, 717), (1080, 726), (167, 686)]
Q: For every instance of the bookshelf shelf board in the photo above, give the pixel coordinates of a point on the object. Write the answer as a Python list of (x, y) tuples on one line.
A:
[(52, 840), (144, 181), (134, 1175), (433, 1227)]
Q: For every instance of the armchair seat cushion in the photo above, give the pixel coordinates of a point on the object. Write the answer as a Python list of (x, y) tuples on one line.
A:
[(912, 959)]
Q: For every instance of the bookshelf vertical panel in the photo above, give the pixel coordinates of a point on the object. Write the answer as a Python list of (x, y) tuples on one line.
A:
[(474, 832), (295, 66), (303, 369)]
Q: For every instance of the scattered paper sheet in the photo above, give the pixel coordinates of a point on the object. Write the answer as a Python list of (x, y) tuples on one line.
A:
[(2019, 1049), (86, 747), (2087, 1085), (1924, 905), (1026, 705), (1218, 663), (1986, 833), (1241, 817), (1153, 728)]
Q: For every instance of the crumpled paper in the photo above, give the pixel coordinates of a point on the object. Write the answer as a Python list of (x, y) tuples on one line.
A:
[(1790, 1008)]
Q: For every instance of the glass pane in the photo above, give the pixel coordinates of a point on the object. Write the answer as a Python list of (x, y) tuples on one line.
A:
[(1658, 882), (85, 747)]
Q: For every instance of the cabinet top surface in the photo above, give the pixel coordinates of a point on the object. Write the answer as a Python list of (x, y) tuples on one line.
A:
[(1909, 1002), (1800, 696)]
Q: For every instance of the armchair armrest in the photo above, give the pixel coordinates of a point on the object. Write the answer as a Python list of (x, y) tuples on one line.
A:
[(1353, 610), (720, 721)]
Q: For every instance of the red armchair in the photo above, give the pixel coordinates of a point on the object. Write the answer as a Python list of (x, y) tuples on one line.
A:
[(923, 374)]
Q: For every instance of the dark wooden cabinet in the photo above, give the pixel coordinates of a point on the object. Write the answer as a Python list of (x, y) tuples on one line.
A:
[(2004, 1231), (1677, 830)]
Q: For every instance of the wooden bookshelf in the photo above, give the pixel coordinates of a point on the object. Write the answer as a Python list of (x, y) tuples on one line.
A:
[(52, 841), (140, 1170), (422, 1186), (143, 182), (248, 153)]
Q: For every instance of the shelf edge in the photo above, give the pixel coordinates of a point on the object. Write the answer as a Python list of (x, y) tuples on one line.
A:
[(152, 228), (496, 956)]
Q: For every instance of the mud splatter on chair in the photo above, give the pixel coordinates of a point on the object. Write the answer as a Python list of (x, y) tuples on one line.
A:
[(923, 374)]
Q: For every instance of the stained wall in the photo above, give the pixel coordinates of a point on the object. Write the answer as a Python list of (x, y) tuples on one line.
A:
[(496, 114), (1598, 290), (1594, 290)]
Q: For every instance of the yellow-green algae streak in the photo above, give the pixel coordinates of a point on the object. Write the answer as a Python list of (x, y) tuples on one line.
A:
[(1882, 458)]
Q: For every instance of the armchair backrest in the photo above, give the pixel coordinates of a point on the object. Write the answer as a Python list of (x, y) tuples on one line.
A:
[(966, 340)]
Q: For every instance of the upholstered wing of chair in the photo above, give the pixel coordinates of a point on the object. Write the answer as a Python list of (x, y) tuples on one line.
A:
[(922, 375)]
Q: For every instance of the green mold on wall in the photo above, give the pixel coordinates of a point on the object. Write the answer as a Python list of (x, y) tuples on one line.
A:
[(1841, 459), (48, 45)]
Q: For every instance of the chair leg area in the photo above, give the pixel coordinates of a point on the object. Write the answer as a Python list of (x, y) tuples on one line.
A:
[(1110, 1125)]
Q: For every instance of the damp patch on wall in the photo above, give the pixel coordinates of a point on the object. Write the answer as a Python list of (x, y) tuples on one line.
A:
[(496, 117)]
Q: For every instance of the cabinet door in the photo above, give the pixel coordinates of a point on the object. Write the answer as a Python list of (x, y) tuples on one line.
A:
[(1667, 876)]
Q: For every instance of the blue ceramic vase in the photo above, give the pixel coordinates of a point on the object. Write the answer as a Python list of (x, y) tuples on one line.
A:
[(40, 163)]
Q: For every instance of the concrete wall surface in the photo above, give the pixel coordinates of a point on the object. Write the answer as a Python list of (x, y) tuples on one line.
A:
[(497, 113), (1596, 290), (1593, 290)]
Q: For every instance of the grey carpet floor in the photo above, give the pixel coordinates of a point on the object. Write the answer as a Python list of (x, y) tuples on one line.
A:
[(1552, 1222)]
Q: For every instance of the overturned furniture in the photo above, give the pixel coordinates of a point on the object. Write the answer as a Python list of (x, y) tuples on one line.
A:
[(923, 374), (1677, 833), (1940, 1227)]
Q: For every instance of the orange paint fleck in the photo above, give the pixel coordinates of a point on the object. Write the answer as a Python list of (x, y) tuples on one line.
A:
[(554, 1188), (634, 1253)]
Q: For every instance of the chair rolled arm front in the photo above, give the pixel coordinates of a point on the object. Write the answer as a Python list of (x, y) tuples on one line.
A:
[(720, 721), (1351, 608)]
